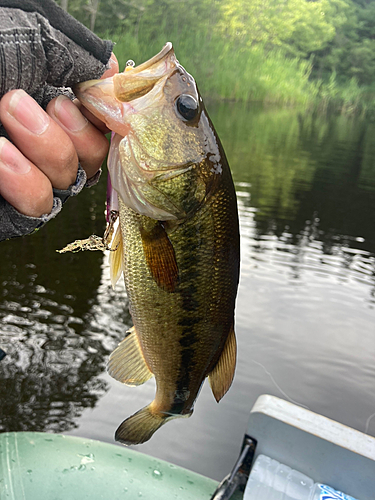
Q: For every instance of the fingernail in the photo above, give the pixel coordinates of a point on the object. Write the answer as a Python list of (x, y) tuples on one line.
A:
[(112, 67), (11, 158), (27, 112), (69, 115), (112, 61)]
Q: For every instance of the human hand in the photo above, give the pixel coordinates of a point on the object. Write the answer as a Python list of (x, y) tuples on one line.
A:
[(46, 149)]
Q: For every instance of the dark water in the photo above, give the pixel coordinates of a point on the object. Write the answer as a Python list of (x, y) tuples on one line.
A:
[(305, 311)]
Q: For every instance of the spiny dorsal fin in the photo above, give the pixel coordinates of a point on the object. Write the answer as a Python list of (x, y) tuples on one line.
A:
[(127, 363), (221, 377), (116, 257), (160, 257)]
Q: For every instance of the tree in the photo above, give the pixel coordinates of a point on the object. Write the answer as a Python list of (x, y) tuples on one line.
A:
[(351, 53), (299, 26), (101, 17)]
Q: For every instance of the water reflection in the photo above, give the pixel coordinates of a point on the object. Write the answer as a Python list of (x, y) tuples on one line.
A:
[(55, 339), (297, 167), (305, 312), (330, 256)]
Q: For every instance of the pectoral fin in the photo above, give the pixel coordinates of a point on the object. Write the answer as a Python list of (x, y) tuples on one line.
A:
[(116, 257), (127, 363), (160, 256), (221, 377)]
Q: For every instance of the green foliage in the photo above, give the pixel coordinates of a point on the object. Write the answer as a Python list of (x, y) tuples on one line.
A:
[(221, 72), (300, 26), (348, 99), (351, 53), (99, 15), (285, 51)]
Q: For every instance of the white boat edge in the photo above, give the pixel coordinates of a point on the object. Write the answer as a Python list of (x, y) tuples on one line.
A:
[(321, 448), (318, 425)]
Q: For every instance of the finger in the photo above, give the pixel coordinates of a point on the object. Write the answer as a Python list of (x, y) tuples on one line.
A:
[(113, 67), (92, 118), (90, 144), (22, 184), (39, 138)]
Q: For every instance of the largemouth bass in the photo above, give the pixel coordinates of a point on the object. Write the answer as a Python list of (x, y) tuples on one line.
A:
[(177, 243)]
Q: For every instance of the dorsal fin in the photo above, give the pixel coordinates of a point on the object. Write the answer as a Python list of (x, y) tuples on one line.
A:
[(116, 257), (127, 363), (160, 256), (221, 377)]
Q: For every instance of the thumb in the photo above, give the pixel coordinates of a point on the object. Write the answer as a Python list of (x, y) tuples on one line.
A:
[(113, 67)]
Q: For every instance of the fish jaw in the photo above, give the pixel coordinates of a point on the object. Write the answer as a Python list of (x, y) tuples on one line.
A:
[(98, 97), (101, 98), (137, 82), (114, 99)]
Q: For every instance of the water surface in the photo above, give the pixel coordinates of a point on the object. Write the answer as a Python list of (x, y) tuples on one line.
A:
[(305, 311)]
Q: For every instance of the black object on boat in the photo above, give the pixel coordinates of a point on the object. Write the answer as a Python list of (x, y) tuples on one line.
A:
[(237, 479)]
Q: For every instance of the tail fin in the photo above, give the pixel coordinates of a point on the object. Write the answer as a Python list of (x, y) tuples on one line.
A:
[(141, 426)]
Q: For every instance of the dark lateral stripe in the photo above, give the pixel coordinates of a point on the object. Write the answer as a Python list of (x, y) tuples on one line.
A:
[(189, 303), (177, 408), (189, 321), (188, 340), (187, 363)]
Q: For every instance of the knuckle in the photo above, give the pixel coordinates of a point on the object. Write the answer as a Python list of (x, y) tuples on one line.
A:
[(93, 157), (99, 153), (40, 200), (66, 160)]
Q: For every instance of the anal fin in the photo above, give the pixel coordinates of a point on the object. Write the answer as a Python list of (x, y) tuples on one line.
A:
[(221, 377), (127, 363), (116, 257)]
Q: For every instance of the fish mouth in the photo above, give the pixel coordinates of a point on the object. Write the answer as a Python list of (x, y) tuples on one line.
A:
[(138, 81), (154, 64), (111, 99), (133, 82)]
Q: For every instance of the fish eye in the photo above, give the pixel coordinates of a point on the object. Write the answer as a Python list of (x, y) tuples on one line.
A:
[(187, 107)]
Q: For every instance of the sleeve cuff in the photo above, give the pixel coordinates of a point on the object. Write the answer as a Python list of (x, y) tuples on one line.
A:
[(74, 189), (13, 223)]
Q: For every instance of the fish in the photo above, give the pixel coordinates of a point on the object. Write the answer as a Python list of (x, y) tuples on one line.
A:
[(177, 243)]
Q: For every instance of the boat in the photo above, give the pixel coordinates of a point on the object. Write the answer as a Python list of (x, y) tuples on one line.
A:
[(40, 465)]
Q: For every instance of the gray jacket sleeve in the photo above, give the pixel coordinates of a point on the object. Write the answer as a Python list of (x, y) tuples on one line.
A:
[(44, 51)]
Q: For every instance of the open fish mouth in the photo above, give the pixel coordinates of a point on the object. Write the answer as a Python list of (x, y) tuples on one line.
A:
[(130, 85), (113, 99), (141, 79)]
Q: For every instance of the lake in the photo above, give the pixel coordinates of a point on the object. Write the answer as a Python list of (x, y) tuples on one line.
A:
[(305, 316)]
